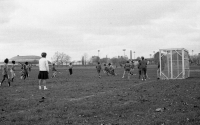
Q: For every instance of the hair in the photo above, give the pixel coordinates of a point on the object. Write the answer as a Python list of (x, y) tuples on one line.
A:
[(26, 63), (142, 58), (127, 61), (105, 64), (13, 62), (98, 62), (44, 54), (53, 64), (70, 63), (6, 60), (109, 63)]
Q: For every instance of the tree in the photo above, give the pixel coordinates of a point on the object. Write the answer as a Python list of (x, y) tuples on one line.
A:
[(94, 60), (83, 60), (85, 57), (60, 58)]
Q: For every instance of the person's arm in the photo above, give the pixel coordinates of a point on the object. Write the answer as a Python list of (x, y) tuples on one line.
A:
[(47, 66)]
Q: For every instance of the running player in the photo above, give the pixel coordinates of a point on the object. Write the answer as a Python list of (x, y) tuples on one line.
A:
[(5, 72), (12, 71)]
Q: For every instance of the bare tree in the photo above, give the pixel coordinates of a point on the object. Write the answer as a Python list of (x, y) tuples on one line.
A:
[(60, 58), (85, 57)]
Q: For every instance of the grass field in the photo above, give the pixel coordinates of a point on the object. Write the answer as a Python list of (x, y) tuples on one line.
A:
[(84, 99)]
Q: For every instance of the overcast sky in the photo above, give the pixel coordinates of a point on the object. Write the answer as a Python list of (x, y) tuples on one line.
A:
[(75, 27)]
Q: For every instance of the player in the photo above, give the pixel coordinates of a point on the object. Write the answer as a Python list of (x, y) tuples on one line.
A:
[(111, 69), (139, 69), (12, 71), (127, 68), (132, 67), (54, 71), (43, 71), (143, 64), (70, 68), (106, 69), (24, 71), (98, 67), (5, 72)]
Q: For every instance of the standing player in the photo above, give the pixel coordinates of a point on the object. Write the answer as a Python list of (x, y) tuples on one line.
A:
[(98, 67), (70, 68), (139, 69), (143, 64), (5, 72), (12, 71), (127, 68), (24, 71), (132, 67), (54, 71), (43, 71)]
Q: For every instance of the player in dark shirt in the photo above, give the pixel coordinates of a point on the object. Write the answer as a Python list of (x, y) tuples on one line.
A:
[(98, 67), (143, 65)]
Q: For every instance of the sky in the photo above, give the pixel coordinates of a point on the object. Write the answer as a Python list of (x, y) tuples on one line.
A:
[(78, 27)]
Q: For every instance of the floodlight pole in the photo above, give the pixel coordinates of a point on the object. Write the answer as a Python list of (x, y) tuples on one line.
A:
[(98, 52), (124, 51)]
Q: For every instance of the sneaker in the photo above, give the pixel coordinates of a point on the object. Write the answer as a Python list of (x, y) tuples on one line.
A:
[(40, 87), (122, 77), (0, 83), (142, 79), (45, 88)]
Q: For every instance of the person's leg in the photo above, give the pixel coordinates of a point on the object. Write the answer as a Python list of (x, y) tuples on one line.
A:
[(40, 81), (142, 73), (44, 83), (124, 74), (145, 73), (158, 74), (3, 79), (8, 80), (128, 74)]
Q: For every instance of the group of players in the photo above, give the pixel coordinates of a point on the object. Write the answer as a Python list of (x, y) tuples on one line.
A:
[(25, 68), (107, 68), (128, 69)]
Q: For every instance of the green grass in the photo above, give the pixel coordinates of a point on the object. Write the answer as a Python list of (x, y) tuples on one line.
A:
[(84, 99)]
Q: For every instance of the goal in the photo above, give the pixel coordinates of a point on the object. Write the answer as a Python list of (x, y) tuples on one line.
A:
[(174, 63)]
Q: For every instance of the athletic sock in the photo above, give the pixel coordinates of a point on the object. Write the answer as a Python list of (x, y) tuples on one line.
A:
[(45, 88)]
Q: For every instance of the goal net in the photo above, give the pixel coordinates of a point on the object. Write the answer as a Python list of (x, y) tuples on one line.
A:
[(174, 63)]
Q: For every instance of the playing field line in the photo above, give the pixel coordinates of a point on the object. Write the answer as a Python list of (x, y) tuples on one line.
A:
[(106, 92)]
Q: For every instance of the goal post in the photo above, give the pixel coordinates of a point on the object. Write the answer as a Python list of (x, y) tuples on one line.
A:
[(174, 63)]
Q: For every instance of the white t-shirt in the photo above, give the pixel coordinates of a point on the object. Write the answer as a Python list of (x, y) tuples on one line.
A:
[(43, 65)]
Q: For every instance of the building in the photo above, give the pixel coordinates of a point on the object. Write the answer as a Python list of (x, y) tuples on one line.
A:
[(22, 59)]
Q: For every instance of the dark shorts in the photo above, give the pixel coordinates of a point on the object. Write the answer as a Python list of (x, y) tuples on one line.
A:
[(43, 75), (127, 69), (98, 70)]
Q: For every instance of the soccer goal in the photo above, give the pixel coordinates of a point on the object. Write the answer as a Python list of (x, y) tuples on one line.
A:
[(174, 63)]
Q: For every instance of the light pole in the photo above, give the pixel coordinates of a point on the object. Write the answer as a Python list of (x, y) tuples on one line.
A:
[(124, 51), (192, 52), (134, 54), (98, 52)]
